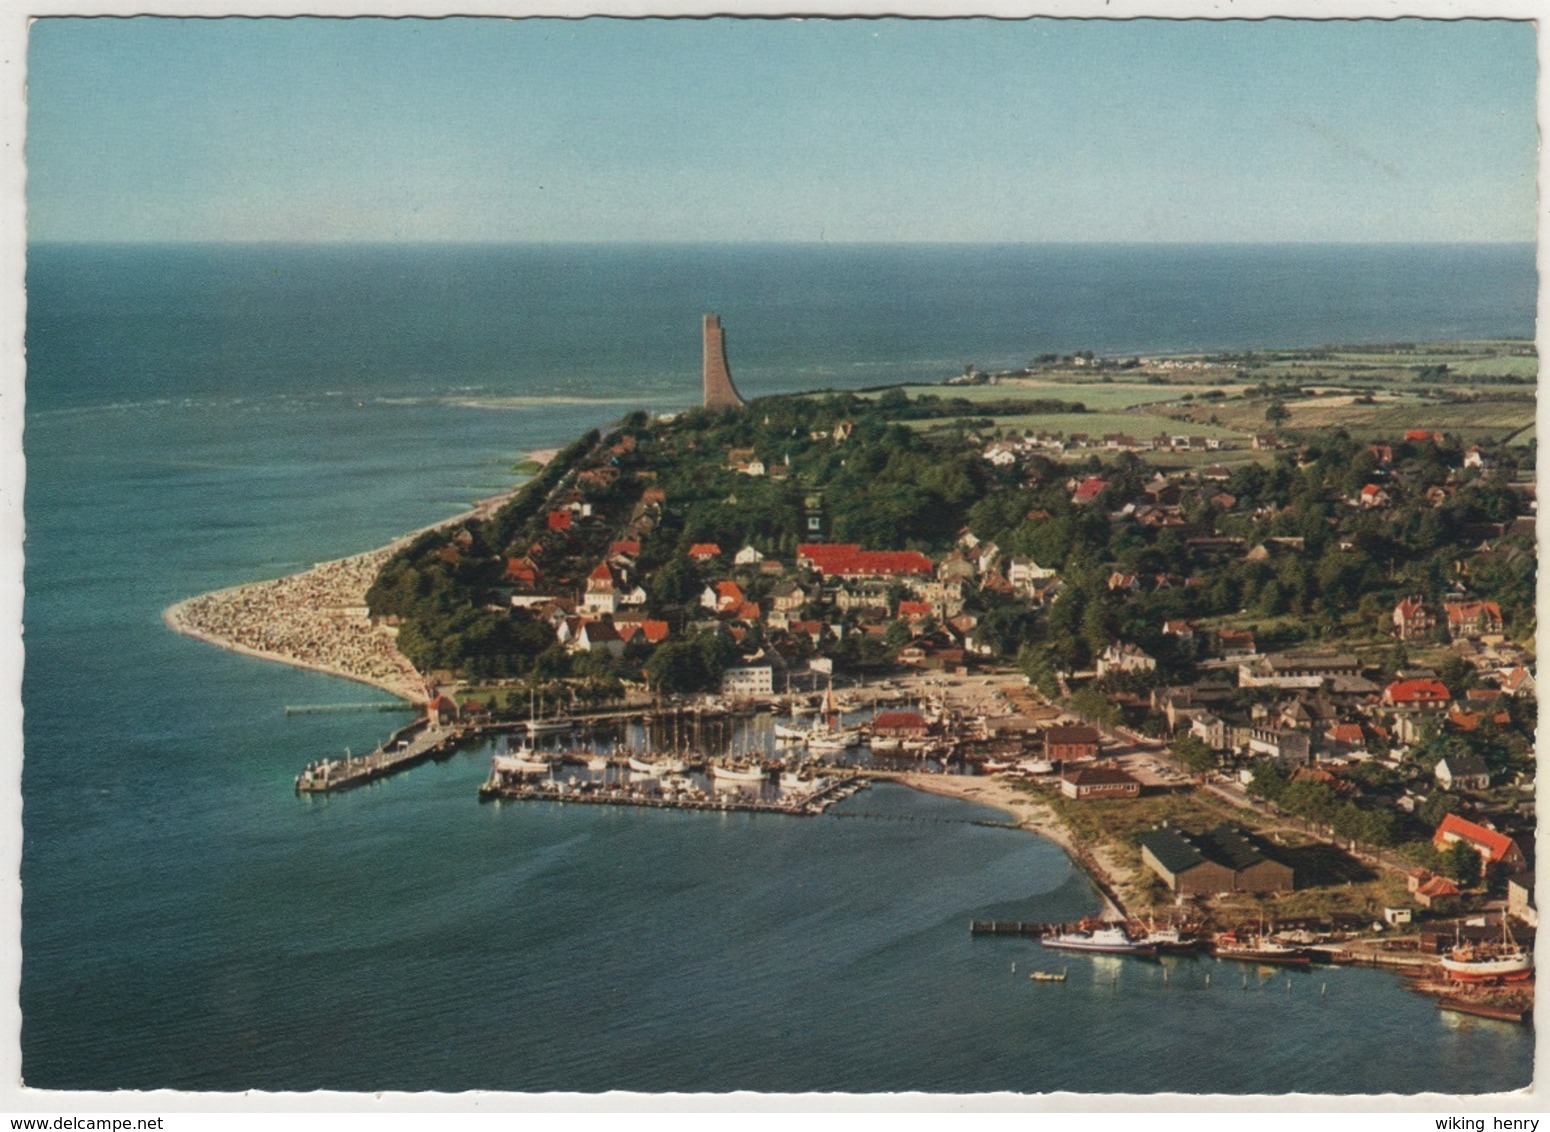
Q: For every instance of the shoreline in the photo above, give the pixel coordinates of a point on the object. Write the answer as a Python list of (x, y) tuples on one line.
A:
[(321, 608), (1030, 815)]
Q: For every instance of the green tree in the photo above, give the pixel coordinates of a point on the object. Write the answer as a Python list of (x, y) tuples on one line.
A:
[(1193, 753)]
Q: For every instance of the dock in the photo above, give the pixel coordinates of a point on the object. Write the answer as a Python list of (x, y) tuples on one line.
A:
[(399, 753), (803, 805)]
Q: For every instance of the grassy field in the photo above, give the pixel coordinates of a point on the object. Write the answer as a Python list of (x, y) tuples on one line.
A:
[(1388, 417), (1329, 879), (1142, 426), (1096, 395)]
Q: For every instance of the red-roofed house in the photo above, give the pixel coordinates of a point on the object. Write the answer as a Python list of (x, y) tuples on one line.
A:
[(602, 595), (914, 610), (1089, 489), (440, 708), (1347, 735), (723, 597), (559, 520), (1074, 741), (1473, 618), (1431, 694), (1416, 435), (704, 551), (1494, 848), (1413, 619), (1518, 682), (1432, 891), (522, 571), (900, 725), (624, 548), (1373, 496)]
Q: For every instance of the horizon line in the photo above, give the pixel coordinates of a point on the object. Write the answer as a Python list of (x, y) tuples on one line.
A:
[(344, 243)]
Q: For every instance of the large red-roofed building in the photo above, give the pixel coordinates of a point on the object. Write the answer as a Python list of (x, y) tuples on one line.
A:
[(848, 560), (1494, 848)]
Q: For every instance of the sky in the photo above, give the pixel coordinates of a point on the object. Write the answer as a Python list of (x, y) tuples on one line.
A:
[(978, 130)]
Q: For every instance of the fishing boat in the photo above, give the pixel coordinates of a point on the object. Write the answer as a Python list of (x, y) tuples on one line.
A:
[(1169, 940), (1488, 961), (1111, 939), (1259, 948)]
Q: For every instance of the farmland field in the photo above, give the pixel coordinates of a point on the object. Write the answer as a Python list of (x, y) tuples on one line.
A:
[(1096, 395)]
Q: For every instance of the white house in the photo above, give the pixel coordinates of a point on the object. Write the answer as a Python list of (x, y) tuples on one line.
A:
[(748, 681)]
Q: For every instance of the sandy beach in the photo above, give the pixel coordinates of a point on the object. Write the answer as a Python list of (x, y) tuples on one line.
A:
[(316, 619)]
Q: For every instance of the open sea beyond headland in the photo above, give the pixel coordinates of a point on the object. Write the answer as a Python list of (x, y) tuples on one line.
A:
[(199, 417)]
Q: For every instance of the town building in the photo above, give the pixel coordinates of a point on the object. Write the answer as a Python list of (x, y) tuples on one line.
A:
[(1098, 782), (1494, 848), (748, 682), (1071, 742), (1220, 860)]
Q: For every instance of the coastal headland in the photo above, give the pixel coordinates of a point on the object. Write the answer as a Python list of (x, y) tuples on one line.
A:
[(1144, 648)]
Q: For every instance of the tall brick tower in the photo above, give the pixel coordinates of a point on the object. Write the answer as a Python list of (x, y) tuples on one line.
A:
[(720, 393)]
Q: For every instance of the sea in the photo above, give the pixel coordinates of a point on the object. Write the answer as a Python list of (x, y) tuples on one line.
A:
[(202, 416)]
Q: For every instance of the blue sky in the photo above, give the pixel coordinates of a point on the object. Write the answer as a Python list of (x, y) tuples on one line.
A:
[(896, 130)]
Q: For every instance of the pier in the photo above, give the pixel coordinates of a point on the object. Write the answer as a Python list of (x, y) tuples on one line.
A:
[(397, 754)]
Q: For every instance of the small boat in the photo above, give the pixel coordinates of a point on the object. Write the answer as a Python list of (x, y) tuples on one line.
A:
[(1259, 949), (521, 764), (1478, 962), (740, 774), (784, 734), (840, 740), (1111, 939), (1048, 976), (1170, 940), (885, 744)]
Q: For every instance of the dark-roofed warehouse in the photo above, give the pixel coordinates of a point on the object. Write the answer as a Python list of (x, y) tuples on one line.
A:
[(1221, 860)]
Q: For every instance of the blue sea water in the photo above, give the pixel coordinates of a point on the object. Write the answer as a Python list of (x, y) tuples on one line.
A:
[(203, 416)]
